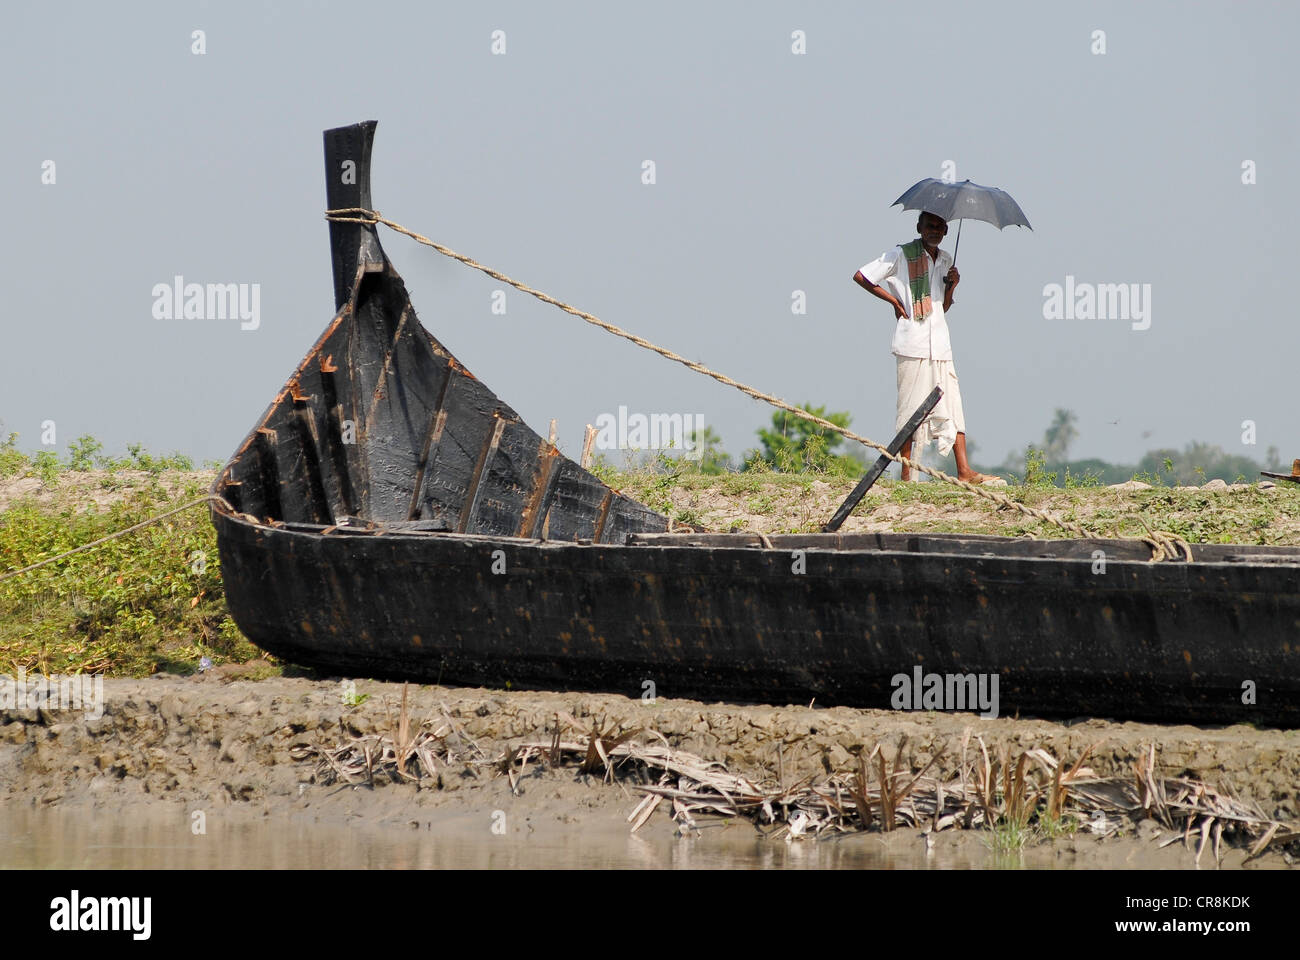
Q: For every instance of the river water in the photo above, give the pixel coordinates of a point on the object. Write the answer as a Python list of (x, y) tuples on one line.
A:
[(97, 839)]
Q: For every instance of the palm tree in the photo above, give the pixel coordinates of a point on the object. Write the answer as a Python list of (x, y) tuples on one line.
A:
[(1059, 436)]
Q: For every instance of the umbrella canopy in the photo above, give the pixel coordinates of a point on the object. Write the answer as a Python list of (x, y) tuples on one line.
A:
[(964, 201)]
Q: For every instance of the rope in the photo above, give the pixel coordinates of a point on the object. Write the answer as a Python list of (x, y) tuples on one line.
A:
[(1164, 546), (120, 533)]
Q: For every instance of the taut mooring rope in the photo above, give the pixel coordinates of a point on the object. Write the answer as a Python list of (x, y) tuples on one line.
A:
[(120, 533), (1163, 545)]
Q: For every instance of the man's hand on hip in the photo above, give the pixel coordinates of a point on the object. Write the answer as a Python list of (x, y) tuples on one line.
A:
[(878, 291)]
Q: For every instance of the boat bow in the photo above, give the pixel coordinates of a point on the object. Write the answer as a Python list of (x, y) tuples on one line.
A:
[(380, 424)]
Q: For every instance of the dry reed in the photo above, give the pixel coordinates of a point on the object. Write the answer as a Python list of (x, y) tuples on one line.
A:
[(874, 793)]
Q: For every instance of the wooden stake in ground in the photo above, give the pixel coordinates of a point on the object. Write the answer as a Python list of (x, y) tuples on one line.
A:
[(587, 444)]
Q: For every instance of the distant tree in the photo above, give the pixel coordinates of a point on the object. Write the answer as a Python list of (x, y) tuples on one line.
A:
[(1059, 436), (1192, 466), (1196, 463), (794, 444), (712, 459)]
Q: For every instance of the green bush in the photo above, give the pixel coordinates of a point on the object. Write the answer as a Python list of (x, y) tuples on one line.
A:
[(1036, 474), (794, 445), (149, 601), (46, 465), (82, 453), (13, 462)]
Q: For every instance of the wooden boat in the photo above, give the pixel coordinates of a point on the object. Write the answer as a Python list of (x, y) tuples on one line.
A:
[(389, 516)]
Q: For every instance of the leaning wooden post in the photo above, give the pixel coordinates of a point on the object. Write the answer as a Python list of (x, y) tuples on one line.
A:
[(883, 462), (587, 443)]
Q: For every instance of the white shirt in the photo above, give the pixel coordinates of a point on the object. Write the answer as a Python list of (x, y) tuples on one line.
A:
[(928, 338)]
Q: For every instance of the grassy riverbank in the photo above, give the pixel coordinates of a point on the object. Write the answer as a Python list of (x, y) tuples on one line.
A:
[(801, 503), (147, 602), (152, 601)]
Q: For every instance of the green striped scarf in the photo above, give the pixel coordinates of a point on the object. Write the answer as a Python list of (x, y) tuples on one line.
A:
[(918, 279)]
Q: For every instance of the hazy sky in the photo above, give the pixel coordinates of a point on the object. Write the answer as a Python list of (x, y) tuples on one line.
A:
[(774, 173)]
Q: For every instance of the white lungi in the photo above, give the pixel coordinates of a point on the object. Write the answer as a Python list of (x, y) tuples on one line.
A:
[(916, 378)]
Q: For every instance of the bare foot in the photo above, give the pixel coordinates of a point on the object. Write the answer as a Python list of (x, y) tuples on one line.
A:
[(981, 478)]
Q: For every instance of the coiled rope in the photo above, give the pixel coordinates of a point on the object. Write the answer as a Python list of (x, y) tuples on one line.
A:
[(1164, 546)]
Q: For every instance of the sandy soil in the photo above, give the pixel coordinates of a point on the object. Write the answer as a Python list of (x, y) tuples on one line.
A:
[(95, 489), (786, 504), (219, 743), (780, 507)]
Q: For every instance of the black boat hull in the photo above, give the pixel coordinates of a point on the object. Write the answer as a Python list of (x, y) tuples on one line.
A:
[(1166, 642)]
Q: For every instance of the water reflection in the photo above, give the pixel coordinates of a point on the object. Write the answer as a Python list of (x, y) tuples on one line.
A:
[(162, 838)]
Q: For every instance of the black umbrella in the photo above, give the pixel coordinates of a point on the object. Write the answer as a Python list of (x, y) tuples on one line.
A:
[(961, 201)]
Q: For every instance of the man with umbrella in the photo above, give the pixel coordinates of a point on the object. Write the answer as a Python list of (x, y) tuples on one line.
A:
[(918, 280)]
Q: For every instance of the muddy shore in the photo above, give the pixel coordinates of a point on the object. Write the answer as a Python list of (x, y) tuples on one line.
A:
[(223, 742), (222, 745)]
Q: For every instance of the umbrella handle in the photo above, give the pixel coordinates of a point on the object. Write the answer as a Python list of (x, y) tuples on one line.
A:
[(956, 246)]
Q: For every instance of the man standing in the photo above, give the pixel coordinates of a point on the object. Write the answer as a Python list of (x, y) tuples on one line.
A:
[(918, 280)]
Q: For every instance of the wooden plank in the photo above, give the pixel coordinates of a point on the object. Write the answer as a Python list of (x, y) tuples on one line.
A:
[(436, 427), (234, 494), (398, 381), (946, 543), (437, 424), (453, 456), (883, 462), (512, 483), (534, 518), (604, 515), (480, 474), (626, 516), (359, 472), (311, 423), (269, 470), (575, 503), (305, 422), (336, 451)]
